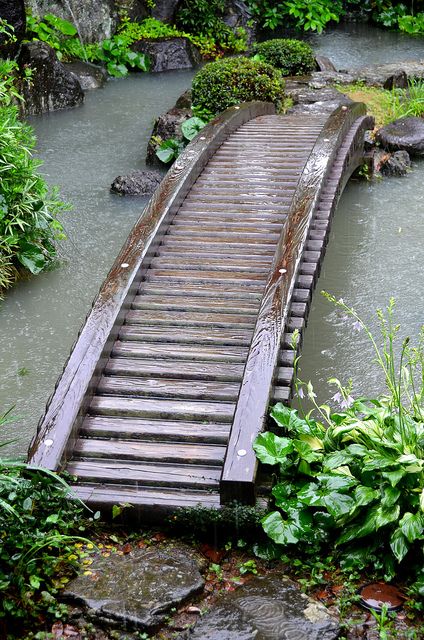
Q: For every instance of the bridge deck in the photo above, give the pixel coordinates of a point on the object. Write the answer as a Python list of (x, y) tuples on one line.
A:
[(157, 416)]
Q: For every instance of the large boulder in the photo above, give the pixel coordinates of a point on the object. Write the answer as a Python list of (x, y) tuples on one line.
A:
[(13, 12), (94, 19), (169, 54), (238, 14), (140, 589), (52, 86), (165, 10), (168, 125), (90, 76), (137, 183), (405, 134)]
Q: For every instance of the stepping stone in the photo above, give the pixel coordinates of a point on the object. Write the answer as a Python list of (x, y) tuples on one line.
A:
[(266, 608), (139, 589)]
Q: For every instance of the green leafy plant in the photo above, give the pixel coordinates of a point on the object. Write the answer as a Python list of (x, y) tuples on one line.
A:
[(117, 57), (355, 475), (39, 525), (305, 14), (204, 18), (28, 209), (291, 57), (169, 150), (226, 83), (59, 34)]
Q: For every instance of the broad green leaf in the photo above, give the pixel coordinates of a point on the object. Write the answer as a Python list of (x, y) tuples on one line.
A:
[(399, 545), (305, 451), (365, 495), (338, 504), (191, 127), (412, 525), (53, 518), (337, 459), (315, 443), (390, 497), (394, 476), (279, 530), (34, 582), (165, 154), (35, 263), (368, 526), (311, 495), (386, 516), (65, 27), (288, 418), (331, 482), (272, 449)]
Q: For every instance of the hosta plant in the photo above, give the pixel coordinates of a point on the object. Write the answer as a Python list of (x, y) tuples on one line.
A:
[(355, 475), (169, 150)]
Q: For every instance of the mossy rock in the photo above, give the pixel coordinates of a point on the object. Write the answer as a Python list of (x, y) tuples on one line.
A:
[(229, 82), (291, 57)]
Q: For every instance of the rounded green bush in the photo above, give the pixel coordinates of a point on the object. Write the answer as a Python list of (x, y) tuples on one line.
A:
[(230, 81), (291, 57)]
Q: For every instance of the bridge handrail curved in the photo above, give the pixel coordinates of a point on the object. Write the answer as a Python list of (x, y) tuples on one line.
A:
[(58, 428), (240, 465)]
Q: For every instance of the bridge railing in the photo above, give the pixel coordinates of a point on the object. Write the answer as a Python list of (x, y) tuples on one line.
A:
[(59, 427), (240, 465)]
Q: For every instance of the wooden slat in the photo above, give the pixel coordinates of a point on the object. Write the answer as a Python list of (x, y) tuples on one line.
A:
[(150, 429), (187, 335), (165, 452), (190, 318), (153, 474), (168, 388), (166, 409), (185, 302), (165, 350)]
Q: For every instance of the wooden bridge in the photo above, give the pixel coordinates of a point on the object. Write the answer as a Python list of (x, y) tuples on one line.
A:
[(189, 339)]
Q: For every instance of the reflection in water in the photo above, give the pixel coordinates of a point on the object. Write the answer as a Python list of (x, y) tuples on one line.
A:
[(83, 150), (376, 251)]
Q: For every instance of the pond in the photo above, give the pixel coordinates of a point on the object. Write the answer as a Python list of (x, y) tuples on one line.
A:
[(376, 248)]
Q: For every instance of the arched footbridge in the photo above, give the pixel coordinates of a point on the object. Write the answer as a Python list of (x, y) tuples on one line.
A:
[(188, 341)]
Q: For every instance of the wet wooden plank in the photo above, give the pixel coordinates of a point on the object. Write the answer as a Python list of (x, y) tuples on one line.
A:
[(194, 303), (168, 388), (207, 353), (149, 429), (149, 504), (143, 367), (166, 409), (153, 474), (166, 452), (187, 335), (190, 319)]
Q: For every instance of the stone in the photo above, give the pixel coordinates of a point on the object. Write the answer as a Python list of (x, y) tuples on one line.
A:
[(52, 86), (165, 10), (184, 101), (169, 54), (90, 76), (138, 589), (94, 19), (168, 125), (238, 15), (137, 183), (13, 12), (395, 164), (403, 134), (324, 64), (390, 75), (266, 608)]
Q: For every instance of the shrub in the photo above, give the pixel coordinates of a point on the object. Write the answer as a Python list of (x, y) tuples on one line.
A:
[(225, 83), (38, 523), (292, 57), (354, 475), (308, 15), (28, 222)]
